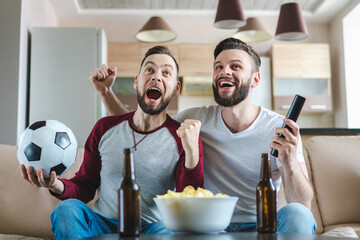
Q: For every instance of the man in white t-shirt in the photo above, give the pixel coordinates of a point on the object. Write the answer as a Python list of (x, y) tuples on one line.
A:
[(236, 132)]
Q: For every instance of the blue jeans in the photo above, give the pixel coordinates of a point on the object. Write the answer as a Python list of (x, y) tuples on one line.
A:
[(74, 219), (294, 217)]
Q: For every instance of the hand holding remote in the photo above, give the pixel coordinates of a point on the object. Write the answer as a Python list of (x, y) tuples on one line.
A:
[(293, 114)]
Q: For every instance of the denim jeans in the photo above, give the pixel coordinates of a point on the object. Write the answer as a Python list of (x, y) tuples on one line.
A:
[(74, 219), (294, 217)]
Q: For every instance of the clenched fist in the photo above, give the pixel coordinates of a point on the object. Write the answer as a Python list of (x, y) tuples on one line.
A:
[(103, 78), (189, 132)]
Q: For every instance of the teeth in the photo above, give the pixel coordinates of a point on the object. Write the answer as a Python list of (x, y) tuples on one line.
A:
[(227, 83), (156, 89)]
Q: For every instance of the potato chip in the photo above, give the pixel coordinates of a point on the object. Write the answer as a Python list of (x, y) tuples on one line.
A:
[(189, 191), (173, 194), (221, 195)]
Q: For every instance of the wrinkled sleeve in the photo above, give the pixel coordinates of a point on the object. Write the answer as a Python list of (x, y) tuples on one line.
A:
[(193, 177), (84, 184)]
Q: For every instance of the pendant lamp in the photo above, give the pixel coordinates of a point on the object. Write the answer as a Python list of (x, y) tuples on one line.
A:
[(156, 30), (229, 14), (253, 31), (291, 25)]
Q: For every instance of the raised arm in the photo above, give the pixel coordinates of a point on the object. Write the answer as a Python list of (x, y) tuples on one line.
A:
[(191, 170), (295, 178), (103, 79), (189, 132)]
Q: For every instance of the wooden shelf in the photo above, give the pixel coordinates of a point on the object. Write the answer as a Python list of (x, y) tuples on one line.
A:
[(317, 103), (302, 69)]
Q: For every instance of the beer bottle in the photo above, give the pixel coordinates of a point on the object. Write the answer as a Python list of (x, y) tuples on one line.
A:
[(266, 199), (129, 199)]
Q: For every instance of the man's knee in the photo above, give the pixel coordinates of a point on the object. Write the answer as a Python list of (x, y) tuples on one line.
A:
[(297, 210), (295, 217), (157, 227), (67, 209)]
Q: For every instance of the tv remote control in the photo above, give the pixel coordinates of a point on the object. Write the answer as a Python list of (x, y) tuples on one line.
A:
[(293, 114)]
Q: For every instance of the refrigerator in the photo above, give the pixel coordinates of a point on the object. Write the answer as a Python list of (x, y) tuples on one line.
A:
[(60, 65)]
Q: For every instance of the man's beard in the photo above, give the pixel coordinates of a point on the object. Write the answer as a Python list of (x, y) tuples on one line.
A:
[(239, 95), (150, 108)]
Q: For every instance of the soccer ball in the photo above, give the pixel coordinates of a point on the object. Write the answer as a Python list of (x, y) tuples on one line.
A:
[(48, 145)]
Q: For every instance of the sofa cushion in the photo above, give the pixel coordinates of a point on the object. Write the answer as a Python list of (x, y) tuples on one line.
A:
[(335, 165), (25, 209), (343, 230), (314, 205), (17, 237)]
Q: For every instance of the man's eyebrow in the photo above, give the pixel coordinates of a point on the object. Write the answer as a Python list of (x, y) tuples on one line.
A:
[(164, 65), (168, 65), (235, 60), (217, 62)]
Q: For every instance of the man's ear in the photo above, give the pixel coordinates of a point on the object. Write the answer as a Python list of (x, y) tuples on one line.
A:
[(255, 79), (178, 87), (135, 81)]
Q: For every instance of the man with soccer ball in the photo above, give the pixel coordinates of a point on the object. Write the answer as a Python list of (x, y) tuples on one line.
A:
[(167, 155)]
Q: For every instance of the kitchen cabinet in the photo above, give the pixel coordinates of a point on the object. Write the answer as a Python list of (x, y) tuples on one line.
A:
[(302, 69), (196, 59), (126, 57)]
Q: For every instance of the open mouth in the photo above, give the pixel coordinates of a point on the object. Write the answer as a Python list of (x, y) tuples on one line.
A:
[(153, 93), (226, 83)]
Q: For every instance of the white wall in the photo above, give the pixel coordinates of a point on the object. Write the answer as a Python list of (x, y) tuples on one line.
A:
[(16, 19), (33, 13), (351, 57), (10, 11), (337, 67)]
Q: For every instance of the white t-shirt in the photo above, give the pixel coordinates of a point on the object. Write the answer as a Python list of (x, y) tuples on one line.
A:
[(232, 161)]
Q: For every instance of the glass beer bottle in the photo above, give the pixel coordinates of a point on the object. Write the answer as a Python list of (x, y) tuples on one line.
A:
[(266, 199), (129, 199)]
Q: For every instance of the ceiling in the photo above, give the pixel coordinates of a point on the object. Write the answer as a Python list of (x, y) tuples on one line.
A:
[(273, 5), (191, 19), (316, 10)]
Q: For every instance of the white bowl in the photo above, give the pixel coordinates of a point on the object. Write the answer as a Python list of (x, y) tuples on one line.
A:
[(190, 214)]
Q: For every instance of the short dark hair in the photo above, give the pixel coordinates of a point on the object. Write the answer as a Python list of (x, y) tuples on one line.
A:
[(160, 50), (234, 43)]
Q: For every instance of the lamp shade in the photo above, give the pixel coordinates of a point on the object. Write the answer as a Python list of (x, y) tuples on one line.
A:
[(291, 25), (253, 31), (229, 14), (155, 30)]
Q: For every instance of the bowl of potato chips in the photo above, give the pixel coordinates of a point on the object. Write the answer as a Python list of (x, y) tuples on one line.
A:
[(196, 211)]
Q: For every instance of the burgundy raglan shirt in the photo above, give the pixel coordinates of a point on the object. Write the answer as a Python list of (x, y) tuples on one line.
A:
[(159, 165)]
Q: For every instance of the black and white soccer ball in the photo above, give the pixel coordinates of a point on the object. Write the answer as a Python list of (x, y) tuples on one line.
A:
[(49, 145)]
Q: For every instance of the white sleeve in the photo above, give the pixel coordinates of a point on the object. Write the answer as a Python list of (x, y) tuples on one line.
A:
[(190, 113), (299, 151)]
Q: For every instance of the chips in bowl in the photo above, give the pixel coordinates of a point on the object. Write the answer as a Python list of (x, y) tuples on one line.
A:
[(195, 210), (190, 191)]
